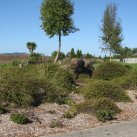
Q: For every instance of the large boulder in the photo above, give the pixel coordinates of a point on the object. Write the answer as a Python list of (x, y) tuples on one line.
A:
[(81, 66)]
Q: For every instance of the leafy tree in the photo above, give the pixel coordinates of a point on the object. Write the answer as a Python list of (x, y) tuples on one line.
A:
[(111, 30), (79, 54), (31, 46), (61, 55), (56, 16), (134, 50), (126, 52), (72, 53), (88, 56)]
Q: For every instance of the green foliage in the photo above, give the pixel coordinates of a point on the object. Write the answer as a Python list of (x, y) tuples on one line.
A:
[(61, 55), (31, 46), (109, 70), (56, 75), (79, 54), (35, 58), (56, 123), (70, 113), (88, 56), (111, 30), (104, 115), (19, 118), (125, 52), (98, 89), (72, 53), (134, 50), (16, 62), (102, 108), (24, 87), (57, 20), (2, 110), (56, 17), (128, 81)]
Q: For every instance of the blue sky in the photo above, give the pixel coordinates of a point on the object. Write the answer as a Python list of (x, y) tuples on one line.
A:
[(20, 23)]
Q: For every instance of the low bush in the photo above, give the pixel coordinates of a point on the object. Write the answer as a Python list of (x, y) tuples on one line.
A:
[(61, 56), (23, 87), (56, 123), (104, 115), (19, 118), (98, 89), (35, 58), (56, 75), (109, 70), (128, 81), (103, 108), (70, 113), (3, 110)]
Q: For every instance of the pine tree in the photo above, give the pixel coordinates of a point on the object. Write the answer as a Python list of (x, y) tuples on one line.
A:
[(72, 53), (79, 54)]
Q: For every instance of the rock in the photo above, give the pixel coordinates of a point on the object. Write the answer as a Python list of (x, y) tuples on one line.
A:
[(80, 66)]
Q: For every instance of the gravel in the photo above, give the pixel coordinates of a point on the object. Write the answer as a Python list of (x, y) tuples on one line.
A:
[(42, 116)]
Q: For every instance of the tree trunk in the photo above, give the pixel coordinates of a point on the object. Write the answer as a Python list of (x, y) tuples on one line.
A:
[(59, 48), (110, 56)]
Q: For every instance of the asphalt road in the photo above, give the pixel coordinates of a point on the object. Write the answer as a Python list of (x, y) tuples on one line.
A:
[(122, 129)]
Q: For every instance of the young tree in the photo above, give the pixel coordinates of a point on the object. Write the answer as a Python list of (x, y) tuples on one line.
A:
[(111, 30), (31, 46), (72, 53), (56, 16), (79, 54)]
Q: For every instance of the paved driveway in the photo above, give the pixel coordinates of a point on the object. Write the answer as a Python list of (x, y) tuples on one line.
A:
[(123, 129)]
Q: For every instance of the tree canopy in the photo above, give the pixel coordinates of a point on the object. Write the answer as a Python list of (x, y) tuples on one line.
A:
[(56, 16), (111, 30), (31, 46)]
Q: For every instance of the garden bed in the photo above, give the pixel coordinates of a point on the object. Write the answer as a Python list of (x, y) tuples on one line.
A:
[(43, 115)]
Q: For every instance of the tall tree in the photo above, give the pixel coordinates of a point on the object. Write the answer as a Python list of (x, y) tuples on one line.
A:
[(56, 16), (134, 50), (79, 54), (31, 46), (111, 30), (88, 56), (72, 53)]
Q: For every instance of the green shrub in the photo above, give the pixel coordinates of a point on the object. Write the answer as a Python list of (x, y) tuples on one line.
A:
[(98, 89), (104, 115), (35, 58), (61, 56), (128, 81), (23, 87), (56, 123), (19, 118), (103, 108), (56, 75), (70, 113), (3, 110), (109, 70), (16, 62)]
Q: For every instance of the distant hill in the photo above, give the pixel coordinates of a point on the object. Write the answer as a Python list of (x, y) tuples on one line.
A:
[(15, 53), (7, 57)]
